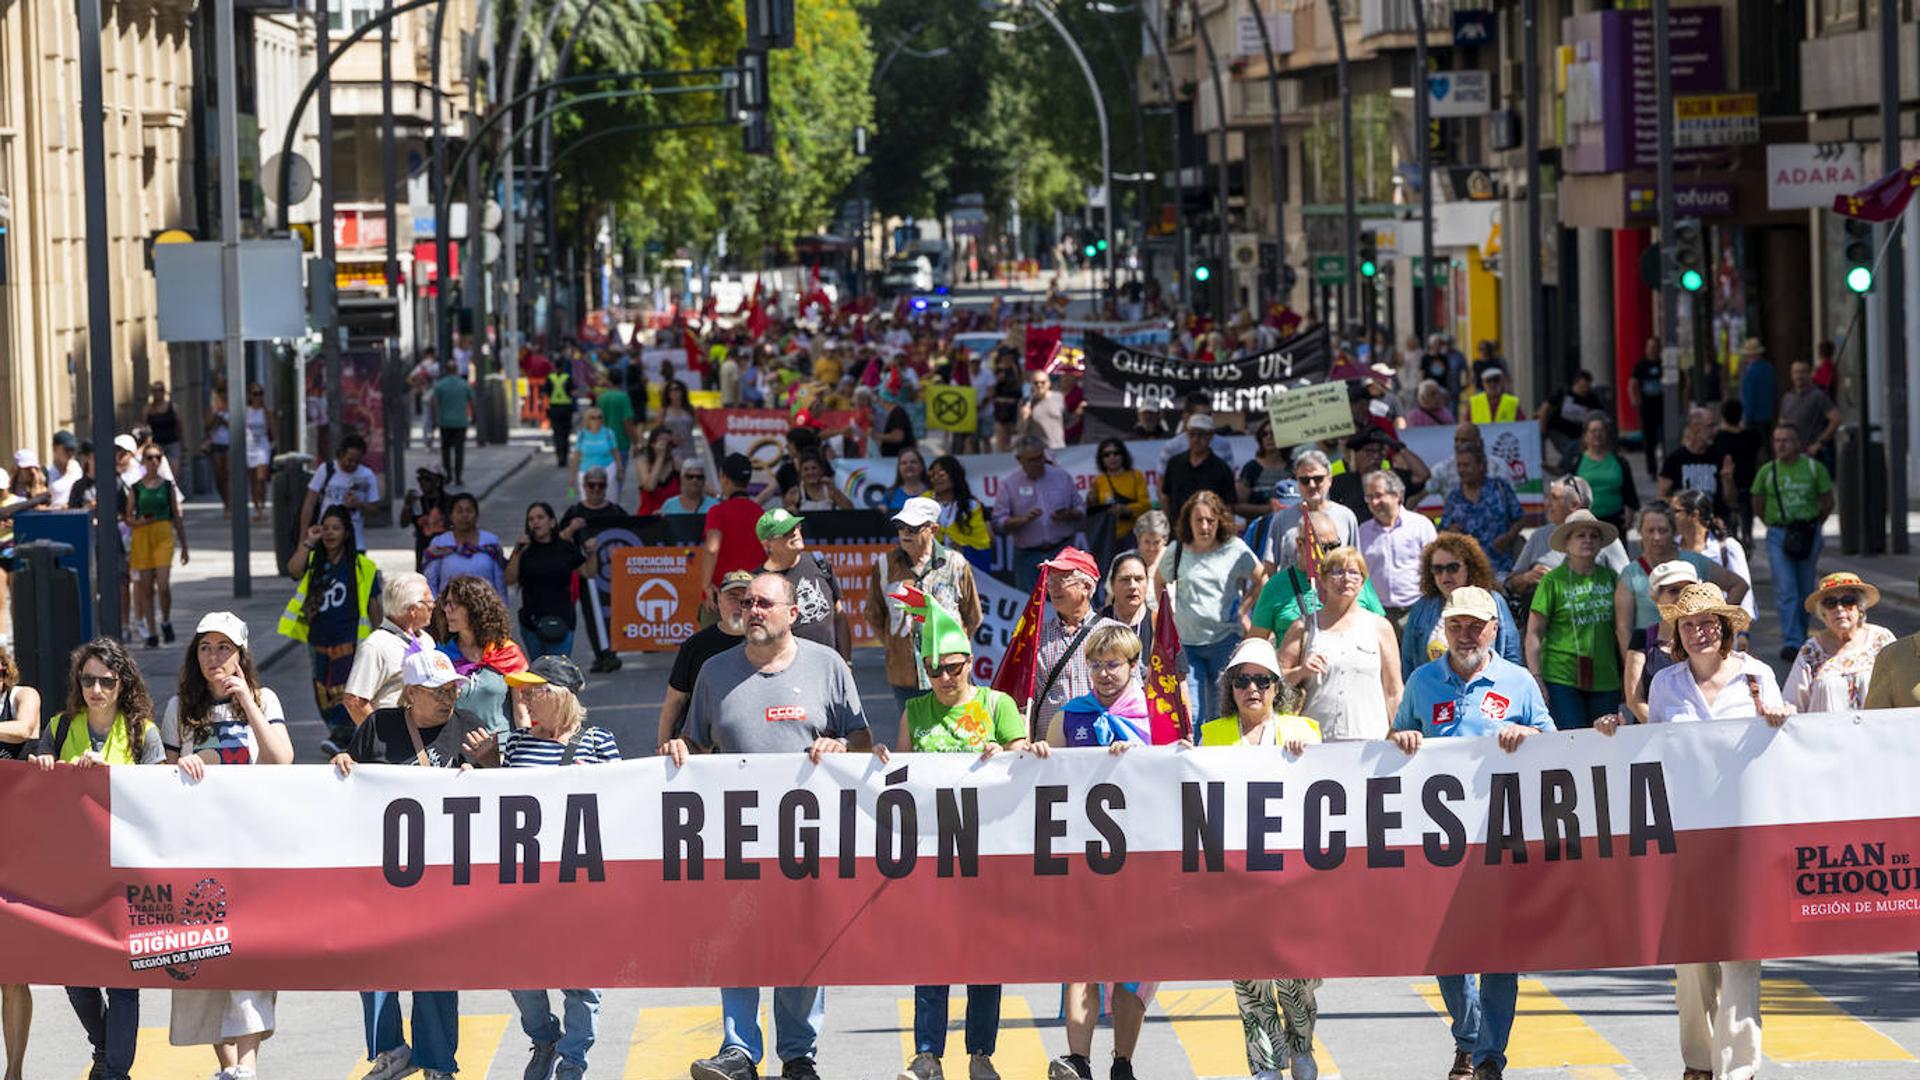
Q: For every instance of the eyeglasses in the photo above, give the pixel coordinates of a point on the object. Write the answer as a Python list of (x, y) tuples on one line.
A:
[(1345, 572), (151, 457), (1314, 480), (907, 530), (1703, 629), (953, 670), (1839, 600), (1108, 667), (1259, 682), (1447, 568), (761, 603), (99, 682)]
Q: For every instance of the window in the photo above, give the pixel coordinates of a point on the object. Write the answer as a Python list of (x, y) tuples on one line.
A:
[(347, 15)]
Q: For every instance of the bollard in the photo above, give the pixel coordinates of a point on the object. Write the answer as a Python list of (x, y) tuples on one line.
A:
[(490, 410), (292, 472), (46, 616)]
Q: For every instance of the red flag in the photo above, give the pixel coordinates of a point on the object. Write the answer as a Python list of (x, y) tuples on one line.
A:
[(1882, 200), (1042, 344), (1014, 676), (710, 306), (1166, 705), (757, 320), (696, 361)]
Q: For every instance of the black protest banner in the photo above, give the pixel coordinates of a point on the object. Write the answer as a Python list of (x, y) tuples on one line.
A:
[(1122, 379)]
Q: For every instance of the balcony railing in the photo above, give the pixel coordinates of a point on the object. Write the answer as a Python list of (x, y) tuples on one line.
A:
[(1396, 16)]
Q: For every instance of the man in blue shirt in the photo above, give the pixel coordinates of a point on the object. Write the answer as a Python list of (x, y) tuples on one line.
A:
[(1759, 389), (1473, 691)]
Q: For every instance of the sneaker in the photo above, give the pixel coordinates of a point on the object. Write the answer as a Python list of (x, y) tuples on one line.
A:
[(1304, 1066), (1268, 1074), (1489, 1070), (238, 1072), (1462, 1066), (152, 642), (1121, 1069), (435, 1074), (540, 1062), (392, 1064), (567, 1070), (166, 632), (925, 1067), (980, 1067), (1070, 1067), (731, 1063), (799, 1069)]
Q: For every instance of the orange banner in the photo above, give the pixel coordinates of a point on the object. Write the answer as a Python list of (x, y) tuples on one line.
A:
[(657, 593)]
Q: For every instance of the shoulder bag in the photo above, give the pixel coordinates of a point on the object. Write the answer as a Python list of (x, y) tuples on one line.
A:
[(1797, 537)]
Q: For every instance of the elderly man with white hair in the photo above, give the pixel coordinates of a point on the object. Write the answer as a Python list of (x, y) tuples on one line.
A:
[(406, 604)]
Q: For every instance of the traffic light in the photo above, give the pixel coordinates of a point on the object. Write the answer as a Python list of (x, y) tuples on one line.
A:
[(1101, 245), (1689, 255), (1859, 255), (1369, 254), (1089, 244), (1202, 272)]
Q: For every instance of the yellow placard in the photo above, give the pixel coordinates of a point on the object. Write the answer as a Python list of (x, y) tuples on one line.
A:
[(952, 408)]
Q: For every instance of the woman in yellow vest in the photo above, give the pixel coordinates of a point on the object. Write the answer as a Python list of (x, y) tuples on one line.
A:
[(336, 605), (1493, 405), (108, 721), (560, 409), (1276, 1015)]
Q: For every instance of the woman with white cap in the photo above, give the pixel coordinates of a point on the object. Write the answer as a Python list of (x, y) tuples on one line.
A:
[(1651, 649), (1832, 669), (1277, 1015), (1342, 656), (1571, 648), (223, 716), (423, 730), (1719, 1000), (552, 730)]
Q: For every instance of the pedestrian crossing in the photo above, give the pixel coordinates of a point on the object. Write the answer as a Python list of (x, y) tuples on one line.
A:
[(1572, 1027)]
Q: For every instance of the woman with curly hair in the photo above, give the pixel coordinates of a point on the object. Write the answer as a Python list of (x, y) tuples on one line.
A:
[(1453, 559), (473, 623), (223, 716), (108, 721)]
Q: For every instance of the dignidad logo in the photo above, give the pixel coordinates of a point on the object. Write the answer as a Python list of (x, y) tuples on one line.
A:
[(162, 935)]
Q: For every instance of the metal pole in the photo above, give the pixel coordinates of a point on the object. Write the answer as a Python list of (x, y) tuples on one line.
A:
[(1669, 298), (437, 184), (549, 196), (229, 105), (1349, 295), (397, 434), (509, 196), (107, 569), (1185, 280), (1224, 195), (1891, 288), (530, 280), (1100, 110), (1279, 163), (1423, 132), (1139, 138), (330, 332), (1536, 256)]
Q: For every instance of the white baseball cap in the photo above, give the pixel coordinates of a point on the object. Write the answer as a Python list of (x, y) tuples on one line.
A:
[(223, 622), (430, 668), (1200, 422), (25, 459), (918, 511), (125, 442)]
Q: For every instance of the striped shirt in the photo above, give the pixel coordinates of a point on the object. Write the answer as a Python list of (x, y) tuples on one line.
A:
[(523, 748)]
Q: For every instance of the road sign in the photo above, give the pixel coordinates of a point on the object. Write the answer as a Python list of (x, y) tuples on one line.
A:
[(1440, 267), (1329, 269), (1459, 93)]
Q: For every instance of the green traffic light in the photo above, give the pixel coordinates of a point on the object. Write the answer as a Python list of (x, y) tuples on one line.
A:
[(1860, 279), (1201, 273), (1088, 251), (1102, 245), (1692, 280), (1368, 268)]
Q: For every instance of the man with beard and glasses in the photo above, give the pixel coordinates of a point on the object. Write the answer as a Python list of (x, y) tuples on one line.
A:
[(776, 694), (1473, 691)]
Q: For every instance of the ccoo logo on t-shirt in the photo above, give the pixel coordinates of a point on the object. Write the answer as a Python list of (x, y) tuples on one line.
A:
[(1443, 714), (781, 713), (1494, 707)]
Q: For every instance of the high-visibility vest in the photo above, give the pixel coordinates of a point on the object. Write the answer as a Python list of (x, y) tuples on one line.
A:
[(1507, 412), (293, 620), (557, 389)]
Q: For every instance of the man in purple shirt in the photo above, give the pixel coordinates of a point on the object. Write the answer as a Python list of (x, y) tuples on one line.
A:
[(1038, 507), (1392, 540)]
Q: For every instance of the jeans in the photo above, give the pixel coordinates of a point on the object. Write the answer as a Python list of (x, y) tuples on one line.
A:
[(582, 1009), (112, 1022), (798, 1012), (453, 452), (1481, 1007), (1573, 708), (436, 1026), (560, 419), (1204, 665), (1026, 567), (930, 1019), (538, 646), (1793, 581)]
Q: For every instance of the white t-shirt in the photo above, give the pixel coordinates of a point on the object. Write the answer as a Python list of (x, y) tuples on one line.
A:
[(376, 665), (1674, 697), (61, 487), (333, 485), (232, 739)]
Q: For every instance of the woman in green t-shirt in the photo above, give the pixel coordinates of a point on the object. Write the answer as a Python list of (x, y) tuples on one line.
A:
[(956, 717), (1571, 648), (1602, 467)]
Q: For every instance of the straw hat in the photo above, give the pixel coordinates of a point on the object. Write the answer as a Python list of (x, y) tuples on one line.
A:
[(1843, 581), (1752, 347), (1580, 519), (1705, 599)]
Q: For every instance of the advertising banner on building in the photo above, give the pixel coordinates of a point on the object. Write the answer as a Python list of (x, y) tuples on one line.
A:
[(748, 870)]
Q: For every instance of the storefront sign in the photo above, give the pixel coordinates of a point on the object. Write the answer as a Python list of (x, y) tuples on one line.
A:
[(1473, 29), (1805, 176), (1612, 113), (1716, 119), (1691, 198), (1459, 93), (1247, 39)]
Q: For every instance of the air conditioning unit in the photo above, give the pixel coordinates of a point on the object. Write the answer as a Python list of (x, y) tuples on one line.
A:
[(1244, 250)]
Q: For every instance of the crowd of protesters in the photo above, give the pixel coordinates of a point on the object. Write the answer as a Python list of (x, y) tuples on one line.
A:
[(1312, 602)]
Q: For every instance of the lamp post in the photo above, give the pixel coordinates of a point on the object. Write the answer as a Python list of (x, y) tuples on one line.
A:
[(1349, 297), (93, 153)]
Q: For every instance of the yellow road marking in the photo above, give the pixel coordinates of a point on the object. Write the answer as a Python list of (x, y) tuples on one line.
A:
[(1799, 1024), (1546, 1034), (668, 1038), (1207, 1023)]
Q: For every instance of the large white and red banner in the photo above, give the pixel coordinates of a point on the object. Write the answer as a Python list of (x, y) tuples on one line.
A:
[(1693, 842)]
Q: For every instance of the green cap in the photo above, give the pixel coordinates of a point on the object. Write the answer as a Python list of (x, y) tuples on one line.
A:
[(776, 522), (941, 635)]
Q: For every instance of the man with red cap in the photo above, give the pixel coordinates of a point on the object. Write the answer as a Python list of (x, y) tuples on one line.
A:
[(1061, 674)]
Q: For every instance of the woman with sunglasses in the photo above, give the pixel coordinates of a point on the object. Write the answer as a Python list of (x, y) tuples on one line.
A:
[(955, 717), (1342, 657), (1451, 561), (108, 721), (153, 515), (1832, 669), (1651, 650), (334, 608), (596, 447), (1119, 490), (259, 448)]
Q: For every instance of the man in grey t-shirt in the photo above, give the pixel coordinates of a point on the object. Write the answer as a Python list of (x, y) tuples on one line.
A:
[(775, 694)]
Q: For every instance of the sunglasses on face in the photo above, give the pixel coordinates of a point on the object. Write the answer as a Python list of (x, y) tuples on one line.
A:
[(908, 530), (596, 483), (951, 671), (1447, 568), (761, 603), (99, 682), (1257, 682), (1312, 480), (1840, 600), (150, 457)]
